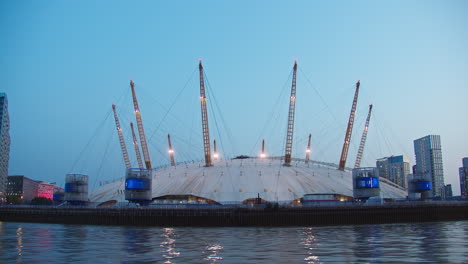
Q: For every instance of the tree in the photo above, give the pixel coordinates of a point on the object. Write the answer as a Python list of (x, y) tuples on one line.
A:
[(41, 201), (14, 199)]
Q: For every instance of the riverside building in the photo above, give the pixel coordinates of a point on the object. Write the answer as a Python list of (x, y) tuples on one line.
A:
[(428, 152), (4, 145), (47, 190), (22, 187)]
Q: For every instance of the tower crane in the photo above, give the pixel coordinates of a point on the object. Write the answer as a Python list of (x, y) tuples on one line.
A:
[(363, 139), (292, 109), (308, 150), (171, 151), (204, 113), (121, 139), (141, 131), (349, 130), (137, 150)]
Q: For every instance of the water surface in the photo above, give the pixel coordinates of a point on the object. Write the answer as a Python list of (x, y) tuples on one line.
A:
[(438, 242)]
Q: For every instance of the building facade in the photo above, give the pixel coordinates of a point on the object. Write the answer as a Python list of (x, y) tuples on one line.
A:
[(428, 152), (394, 169), (47, 190), (463, 172), (4, 145), (447, 193), (22, 187)]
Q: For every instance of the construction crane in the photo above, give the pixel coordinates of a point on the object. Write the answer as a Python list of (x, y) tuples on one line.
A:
[(171, 151), (135, 144), (363, 139), (292, 109), (215, 152), (121, 139), (349, 130), (141, 131), (308, 150), (204, 113), (263, 155)]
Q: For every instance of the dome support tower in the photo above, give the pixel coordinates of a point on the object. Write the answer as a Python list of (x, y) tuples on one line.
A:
[(308, 150), (141, 131), (349, 130), (215, 152), (137, 150), (292, 109), (263, 155), (363, 139), (171, 151), (121, 139), (204, 113)]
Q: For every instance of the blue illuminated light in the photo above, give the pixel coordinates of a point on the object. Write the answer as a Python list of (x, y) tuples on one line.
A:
[(424, 186), (58, 197), (367, 182), (70, 187), (137, 184)]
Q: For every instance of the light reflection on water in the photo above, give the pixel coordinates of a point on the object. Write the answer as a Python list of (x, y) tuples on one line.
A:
[(213, 251), (439, 242), (169, 251), (19, 239)]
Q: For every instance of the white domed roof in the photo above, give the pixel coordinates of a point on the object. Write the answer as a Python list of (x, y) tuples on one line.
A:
[(239, 179)]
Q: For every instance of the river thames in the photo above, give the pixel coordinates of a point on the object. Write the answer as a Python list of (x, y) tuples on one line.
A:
[(432, 242)]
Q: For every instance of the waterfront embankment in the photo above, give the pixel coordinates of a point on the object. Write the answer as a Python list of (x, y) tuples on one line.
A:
[(305, 216)]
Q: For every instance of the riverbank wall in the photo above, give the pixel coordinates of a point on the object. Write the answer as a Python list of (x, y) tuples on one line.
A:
[(305, 216)]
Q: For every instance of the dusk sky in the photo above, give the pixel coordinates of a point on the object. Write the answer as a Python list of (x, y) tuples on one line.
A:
[(63, 63)]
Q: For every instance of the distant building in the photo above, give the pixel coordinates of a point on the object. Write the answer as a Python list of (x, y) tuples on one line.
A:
[(428, 152), (4, 144), (47, 190), (22, 187), (447, 191), (463, 171), (394, 169)]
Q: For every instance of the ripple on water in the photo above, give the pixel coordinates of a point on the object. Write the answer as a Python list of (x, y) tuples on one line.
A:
[(441, 242)]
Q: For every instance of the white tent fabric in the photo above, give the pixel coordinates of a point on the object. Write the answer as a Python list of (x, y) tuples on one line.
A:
[(239, 179)]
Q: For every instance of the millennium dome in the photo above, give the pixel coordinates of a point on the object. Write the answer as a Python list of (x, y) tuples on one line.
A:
[(242, 179)]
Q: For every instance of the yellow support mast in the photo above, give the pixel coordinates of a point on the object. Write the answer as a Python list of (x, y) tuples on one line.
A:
[(141, 131), (292, 110), (204, 113)]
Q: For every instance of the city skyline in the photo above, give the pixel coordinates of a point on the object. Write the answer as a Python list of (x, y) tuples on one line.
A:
[(65, 63)]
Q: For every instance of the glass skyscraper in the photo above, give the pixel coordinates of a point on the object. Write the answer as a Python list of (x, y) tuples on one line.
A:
[(428, 152), (464, 178), (4, 144)]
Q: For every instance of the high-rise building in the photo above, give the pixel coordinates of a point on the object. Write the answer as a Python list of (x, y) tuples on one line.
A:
[(428, 152), (394, 169), (4, 144), (463, 171)]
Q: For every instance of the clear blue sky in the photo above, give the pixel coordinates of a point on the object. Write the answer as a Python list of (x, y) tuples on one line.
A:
[(62, 64)]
